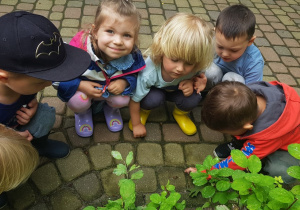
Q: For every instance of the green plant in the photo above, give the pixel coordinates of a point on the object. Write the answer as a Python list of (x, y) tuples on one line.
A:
[(245, 189), (167, 200)]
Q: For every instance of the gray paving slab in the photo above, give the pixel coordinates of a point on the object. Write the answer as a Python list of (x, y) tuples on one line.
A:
[(86, 176)]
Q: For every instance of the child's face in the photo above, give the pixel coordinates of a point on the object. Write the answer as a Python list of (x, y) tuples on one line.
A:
[(174, 68), (116, 36), (26, 85), (229, 49)]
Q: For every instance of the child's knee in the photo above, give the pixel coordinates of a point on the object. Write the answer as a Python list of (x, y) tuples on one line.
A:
[(118, 101), (79, 102), (42, 122), (277, 164)]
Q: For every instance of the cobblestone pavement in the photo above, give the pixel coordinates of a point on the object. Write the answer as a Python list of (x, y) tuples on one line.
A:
[(85, 177)]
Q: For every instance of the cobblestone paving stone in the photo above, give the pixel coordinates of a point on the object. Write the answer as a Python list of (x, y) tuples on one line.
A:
[(85, 176)]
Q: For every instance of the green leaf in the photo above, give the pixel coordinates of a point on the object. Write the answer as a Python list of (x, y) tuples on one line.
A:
[(155, 198), (273, 204), (238, 174), (151, 206), (294, 150), (173, 198), (208, 191), (200, 168), (254, 164), (127, 192), (282, 195), (170, 187), (266, 180), (294, 171), (208, 162), (200, 181), (296, 206), (133, 167), (180, 206), (241, 185), (121, 169), (259, 193), (225, 172), (206, 204), (255, 178), (253, 203), (195, 191), (137, 175), (117, 155), (220, 197), (296, 190), (223, 185), (89, 208), (129, 158), (232, 195), (214, 172), (239, 158)]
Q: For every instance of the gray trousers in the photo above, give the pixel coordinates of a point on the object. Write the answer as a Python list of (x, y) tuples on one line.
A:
[(42, 122), (277, 163)]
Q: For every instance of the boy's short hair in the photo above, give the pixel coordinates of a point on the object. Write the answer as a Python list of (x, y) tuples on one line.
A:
[(236, 21), (186, 37), (18, 159), (229, 106), (31, 44)]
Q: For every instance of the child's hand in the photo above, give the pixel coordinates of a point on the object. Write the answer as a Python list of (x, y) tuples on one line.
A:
[(117, 87), (88, 88), (26, 134), (187, 87), (200, 82), (25, 114), (139, 130), (190, 169)]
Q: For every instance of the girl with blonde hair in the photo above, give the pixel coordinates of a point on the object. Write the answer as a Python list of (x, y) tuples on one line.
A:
[(181, 49), (111, 76), (18, 159)]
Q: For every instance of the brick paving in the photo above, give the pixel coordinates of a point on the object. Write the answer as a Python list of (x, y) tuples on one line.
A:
[(85, 176)]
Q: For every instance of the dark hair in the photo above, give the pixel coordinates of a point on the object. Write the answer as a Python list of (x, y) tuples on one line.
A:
[(228, 106), (236, 21)]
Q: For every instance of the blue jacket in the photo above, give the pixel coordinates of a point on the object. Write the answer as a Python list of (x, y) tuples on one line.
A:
[(125, 67)]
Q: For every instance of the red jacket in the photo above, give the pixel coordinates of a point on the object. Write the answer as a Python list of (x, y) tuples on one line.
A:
[(285, 131)]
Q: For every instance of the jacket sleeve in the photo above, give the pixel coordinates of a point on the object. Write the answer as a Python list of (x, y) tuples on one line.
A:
[(260, 148), (131, 79), (67, 89)]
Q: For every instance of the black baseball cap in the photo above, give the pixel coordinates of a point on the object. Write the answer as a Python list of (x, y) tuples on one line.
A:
[(31, 44)]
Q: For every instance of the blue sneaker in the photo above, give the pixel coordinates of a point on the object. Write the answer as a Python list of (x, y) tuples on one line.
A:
[(3, 200), (51, 148)]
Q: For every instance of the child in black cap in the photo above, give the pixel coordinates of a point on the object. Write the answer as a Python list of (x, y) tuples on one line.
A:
[(32, 54)]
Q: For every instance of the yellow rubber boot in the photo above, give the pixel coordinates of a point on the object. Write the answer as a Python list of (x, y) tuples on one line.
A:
[(184, 122), (144, 114)]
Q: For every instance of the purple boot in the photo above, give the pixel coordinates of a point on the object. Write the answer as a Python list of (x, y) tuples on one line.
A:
[(84, 123), (113, 118)]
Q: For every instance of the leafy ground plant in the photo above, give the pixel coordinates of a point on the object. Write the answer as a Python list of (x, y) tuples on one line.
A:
[(250, 189), (167, 200)]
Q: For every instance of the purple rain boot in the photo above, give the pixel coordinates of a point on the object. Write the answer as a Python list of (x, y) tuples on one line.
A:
[(113, 118), (84, 123)]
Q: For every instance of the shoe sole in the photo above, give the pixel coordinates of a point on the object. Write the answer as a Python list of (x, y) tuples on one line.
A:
[(215, 154)]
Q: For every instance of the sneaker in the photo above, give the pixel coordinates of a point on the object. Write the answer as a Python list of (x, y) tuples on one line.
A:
[(223, 150), (51, 148), (3, 200), (113, 118), (84, 123)]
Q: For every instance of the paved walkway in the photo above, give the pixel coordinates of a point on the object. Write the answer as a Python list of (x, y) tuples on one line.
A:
[(85, 177)]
